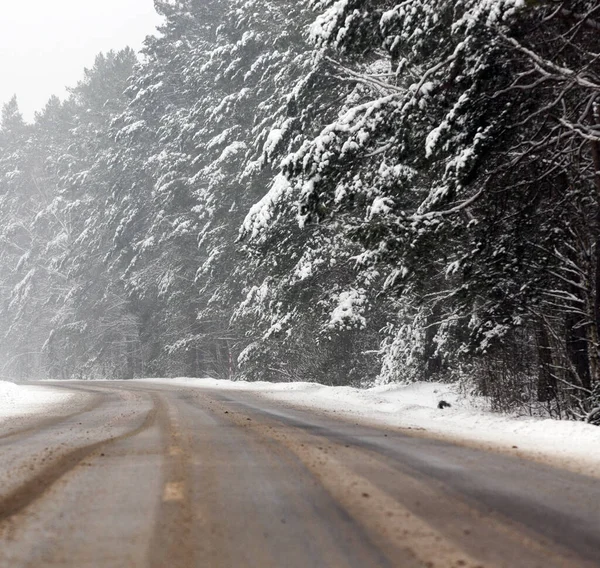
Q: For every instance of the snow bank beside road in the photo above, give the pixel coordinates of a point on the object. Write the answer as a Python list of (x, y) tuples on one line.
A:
[(573, 445), (21, 400)]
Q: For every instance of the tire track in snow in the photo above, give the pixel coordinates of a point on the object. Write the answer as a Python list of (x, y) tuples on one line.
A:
[(36, 486)]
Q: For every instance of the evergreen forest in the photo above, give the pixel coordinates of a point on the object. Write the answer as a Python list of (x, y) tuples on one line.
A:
[(353, 192)]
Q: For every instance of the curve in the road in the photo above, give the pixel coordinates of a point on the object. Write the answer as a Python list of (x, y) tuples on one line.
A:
[(185, 477)]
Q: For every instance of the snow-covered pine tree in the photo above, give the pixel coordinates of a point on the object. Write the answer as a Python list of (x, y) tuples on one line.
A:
[(420, 169), (93, 332)]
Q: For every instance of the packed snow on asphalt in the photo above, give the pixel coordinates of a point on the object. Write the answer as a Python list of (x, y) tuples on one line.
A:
[(568, 444)]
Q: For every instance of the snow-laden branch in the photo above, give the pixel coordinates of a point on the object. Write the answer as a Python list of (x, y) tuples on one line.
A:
[(365, 77), (417, 217), (548, 67)]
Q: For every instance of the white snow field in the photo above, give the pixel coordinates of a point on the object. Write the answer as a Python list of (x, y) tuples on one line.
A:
[(568, 444), (23, 400)]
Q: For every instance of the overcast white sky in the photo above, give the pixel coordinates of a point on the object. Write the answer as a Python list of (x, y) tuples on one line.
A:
[(45, 44)]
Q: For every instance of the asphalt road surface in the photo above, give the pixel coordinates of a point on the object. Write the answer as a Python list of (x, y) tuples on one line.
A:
[(135, 474)]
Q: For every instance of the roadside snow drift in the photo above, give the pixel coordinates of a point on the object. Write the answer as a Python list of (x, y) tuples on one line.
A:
[(21, 400)]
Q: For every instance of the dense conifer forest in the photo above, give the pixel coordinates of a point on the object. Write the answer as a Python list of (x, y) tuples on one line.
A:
[(345, 191)]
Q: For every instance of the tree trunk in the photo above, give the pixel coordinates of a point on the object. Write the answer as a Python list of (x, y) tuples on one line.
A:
[(546, 383), (577, 350), (433, 362), (595, 150)]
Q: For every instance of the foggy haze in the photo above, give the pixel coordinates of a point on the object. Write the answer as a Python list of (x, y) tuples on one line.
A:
[(44, 46)]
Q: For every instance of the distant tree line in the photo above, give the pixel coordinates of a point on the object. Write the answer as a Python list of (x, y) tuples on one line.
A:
[(346, 191)]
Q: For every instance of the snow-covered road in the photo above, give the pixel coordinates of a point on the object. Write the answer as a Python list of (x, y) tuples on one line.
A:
[(148, 474), (566, 444)]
